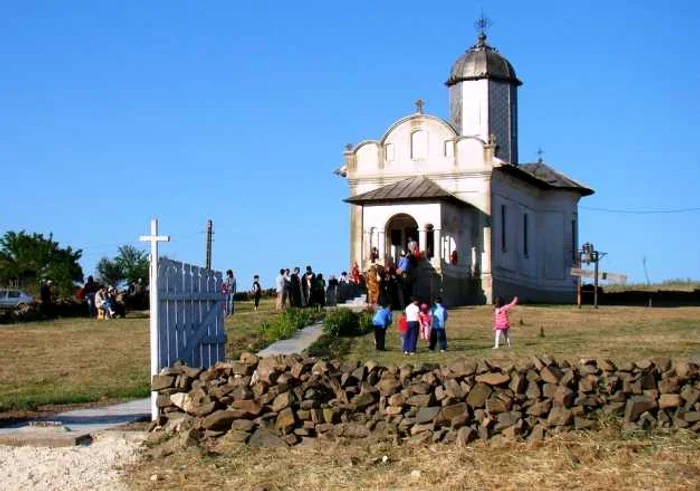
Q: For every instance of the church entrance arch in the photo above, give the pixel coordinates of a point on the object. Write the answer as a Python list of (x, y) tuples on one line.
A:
[(399, 230)]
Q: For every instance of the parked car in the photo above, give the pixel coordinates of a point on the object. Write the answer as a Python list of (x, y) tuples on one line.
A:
[(11, 298)]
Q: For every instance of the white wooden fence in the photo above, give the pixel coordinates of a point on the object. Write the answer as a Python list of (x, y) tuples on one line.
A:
[(190, 315)]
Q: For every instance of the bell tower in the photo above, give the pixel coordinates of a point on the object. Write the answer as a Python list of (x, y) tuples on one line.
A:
[(484, 96)]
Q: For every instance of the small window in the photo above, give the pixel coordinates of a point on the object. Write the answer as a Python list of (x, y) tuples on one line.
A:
[(574, 241), (525, 235), (389, 149), (503, 228)]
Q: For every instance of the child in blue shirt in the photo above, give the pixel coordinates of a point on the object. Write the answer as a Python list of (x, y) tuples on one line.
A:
[(438, 336), (381, 320)]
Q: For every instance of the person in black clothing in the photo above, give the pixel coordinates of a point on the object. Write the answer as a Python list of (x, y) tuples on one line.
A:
[(257, 292), (319, 291), (295, 289), (46, 293), (307, 285), (332, 292)]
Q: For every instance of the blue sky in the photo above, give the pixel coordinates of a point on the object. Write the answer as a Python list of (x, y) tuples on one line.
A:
[(114, 112)]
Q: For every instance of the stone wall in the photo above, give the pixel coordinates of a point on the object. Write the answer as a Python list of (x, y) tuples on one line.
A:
[(288, 399)]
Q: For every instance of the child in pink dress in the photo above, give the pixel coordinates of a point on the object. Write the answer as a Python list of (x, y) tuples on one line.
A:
[(424, 318), (501, 323)]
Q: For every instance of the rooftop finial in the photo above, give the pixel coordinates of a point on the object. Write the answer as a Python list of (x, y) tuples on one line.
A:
[(420, 103), (540, 153), (482, 24)]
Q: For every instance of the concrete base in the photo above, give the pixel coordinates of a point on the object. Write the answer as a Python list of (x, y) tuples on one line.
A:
[(44, 436)]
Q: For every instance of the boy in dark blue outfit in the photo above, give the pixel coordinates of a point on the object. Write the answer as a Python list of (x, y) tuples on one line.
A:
[(381, 321)]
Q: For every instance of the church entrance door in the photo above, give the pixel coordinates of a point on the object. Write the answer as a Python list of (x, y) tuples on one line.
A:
[(399, 230)]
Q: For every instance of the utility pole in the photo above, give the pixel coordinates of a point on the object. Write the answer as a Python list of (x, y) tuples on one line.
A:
[(210, 232)]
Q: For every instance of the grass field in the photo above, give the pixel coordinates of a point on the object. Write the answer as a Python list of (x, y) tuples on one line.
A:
[(82, 360), (608, 459)]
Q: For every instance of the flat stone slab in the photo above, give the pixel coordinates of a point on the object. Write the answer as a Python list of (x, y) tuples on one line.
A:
[(74, 427), (44, 436)]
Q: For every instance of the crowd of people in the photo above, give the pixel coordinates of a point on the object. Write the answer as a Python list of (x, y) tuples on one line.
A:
[(309, 289)]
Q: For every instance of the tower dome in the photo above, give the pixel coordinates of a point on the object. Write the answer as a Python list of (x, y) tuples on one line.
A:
[(482, 61)]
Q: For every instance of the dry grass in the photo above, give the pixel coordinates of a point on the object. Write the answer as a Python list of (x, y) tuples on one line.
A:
[(82, 360), (666, 286), (601, 461), (609, 459), (619, 333)]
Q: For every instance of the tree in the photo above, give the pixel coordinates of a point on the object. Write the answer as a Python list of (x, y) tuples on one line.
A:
[(133, 264), (109, 271), (26, 259)]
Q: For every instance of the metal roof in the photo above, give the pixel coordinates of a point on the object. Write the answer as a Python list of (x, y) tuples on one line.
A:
[(482, 61), (418, 188), (544, 176)]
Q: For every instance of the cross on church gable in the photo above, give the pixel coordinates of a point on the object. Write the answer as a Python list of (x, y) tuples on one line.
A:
[(420, 103)]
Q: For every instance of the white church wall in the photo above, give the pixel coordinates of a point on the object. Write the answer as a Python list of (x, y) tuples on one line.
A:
[(544, 267), (469, 154), (367, 155), (474, 107)]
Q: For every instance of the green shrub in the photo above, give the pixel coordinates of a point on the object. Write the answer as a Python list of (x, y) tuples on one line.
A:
[(342, 322), (288, 322)]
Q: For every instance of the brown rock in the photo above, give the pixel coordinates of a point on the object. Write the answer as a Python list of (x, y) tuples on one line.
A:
[(202, 410), (285, 419), (351, 430), (692, 417), (533, 390), (559, 416), (159, 382), (537, 434), (397, 400), (363, 399), (459, 420), (282, 401), (454, 389), (393, 410), (262, 437), (493, 379), (243, 425), (478, 395), (564, 396), (607, 366), (495, 405), (389, 386), (669, 401), (686, 370), (427, 414), (636, 406), (448, 413), (632, 386), (669, 385), (219, 420), (551, 374), (689, 394), (540, 409), (663, 364), (422, 400), (331, 415), (518, 383), (250, 406), (586, 385), (420, 428)]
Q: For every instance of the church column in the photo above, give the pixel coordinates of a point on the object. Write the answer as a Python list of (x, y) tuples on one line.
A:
[(382, 247), (437, 247), (366, 238), (423, 239)]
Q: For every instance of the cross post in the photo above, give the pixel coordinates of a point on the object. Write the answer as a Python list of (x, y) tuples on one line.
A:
[(420, 104), (154, 239)]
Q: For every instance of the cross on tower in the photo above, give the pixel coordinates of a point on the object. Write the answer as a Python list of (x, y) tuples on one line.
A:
[(540, 153), (420, 103), (482, 23)]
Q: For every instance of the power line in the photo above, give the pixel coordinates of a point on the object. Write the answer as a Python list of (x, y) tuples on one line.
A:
[(642, 212)]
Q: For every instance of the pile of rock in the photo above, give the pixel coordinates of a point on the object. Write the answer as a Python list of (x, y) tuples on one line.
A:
[(287, 399)]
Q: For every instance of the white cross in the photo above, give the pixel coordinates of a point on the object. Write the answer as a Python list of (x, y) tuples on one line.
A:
[(154, 238)]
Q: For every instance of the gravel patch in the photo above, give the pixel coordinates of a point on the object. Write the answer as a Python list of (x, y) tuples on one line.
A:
[(91, 467)]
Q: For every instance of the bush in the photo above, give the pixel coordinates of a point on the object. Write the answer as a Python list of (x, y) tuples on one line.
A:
[(343, 322)]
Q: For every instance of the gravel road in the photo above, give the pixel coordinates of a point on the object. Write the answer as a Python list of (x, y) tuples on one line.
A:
[(91, 467)]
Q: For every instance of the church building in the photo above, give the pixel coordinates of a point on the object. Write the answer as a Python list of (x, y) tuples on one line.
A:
[(488, 224)]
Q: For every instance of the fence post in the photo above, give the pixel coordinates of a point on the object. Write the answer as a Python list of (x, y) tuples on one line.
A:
[(154, 238)]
